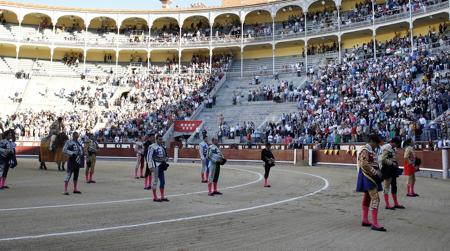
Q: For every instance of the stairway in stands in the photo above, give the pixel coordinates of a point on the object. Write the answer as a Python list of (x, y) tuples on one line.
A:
[(5, 67), (257, 112)]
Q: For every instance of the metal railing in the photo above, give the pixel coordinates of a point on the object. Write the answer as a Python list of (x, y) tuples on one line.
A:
[(312, 30)]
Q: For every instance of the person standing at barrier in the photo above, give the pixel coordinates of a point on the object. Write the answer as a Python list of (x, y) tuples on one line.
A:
[(149, 140), (74, 150), (7, 156), (157, 156), (390, 171), (369, 182), (216, 159), (410, 166), (269, 161), (203, 151), (139, 149), (91, 148)]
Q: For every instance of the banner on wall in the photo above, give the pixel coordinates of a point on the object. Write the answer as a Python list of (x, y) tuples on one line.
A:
[(187, 126)]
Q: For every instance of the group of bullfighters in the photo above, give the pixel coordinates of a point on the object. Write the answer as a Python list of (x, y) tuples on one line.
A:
[(377, 171)]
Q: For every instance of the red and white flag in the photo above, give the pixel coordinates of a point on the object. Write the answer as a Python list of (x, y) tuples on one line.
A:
[(188, 126)]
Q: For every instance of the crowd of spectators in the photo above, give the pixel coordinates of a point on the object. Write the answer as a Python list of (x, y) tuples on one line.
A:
[(322, 19), (361, 12), (294, 24), (166, 34), (346, 102), (73, 58), (257, 30), (322, 48), (152, 104), (227, 31), (245, 131), (280, 91), (434, 38), (196, 32), (34, 125)]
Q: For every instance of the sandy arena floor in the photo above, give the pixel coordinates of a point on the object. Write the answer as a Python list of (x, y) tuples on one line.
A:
[(306, 208)]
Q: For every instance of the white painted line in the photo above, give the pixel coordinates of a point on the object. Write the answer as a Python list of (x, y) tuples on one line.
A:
[(260, 177), (27, 237)]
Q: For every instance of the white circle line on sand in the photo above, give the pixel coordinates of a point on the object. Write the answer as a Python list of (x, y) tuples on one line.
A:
[(95, 230), (260, 177)]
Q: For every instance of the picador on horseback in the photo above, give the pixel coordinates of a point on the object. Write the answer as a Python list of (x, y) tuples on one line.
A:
[(56, 128), (51, 148)]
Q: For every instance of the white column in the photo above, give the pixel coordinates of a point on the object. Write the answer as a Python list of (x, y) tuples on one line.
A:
[(339, 32), (148, 59), (374, 31), (373, 13), (148, 46), (242, 31), (179, 38), (339, 47), (19, 37), (17, 57), (86, 36), (179, 61), (411, 25), (339, 18), (306, 55), (295, 156), (175, 154), (411, 35), (273, 59), (310, 157), (179, 50), (210, 59), (445, 163), (306, 46), (242, 62), (273, 15), (117, 61), (118, 33), (374, 37), (84, 60), (51, 60), (211, 24)]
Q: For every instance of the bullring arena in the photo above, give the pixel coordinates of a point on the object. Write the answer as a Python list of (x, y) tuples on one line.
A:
[(225, 125), (306, 208)]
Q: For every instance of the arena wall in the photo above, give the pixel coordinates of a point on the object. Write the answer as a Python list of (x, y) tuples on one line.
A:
[(430, 159)]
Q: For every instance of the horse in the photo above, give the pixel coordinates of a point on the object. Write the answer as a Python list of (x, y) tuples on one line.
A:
[(57, 155)]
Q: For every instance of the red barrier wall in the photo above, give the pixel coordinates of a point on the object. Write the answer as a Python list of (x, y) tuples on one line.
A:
[(430, 159)]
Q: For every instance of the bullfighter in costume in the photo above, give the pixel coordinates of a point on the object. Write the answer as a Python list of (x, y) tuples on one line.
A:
[(157, 157), (203, 152), (369, 182), (269, 161), (56, 128), (150, 139), (390, 171), (216, 159), (74, 150), (91, 148), (411, 166), (139, 149), (7, 156)]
